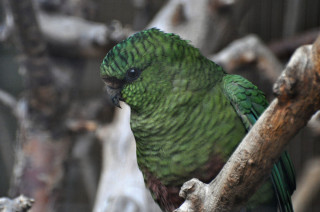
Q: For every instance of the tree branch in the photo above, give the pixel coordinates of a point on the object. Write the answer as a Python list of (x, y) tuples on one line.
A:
[(297, 91), (214, 21), (6, 30), (43, 143), (8, 100), (128, 192), (19, 204), (75, 36), (247, 50), (285, 47)]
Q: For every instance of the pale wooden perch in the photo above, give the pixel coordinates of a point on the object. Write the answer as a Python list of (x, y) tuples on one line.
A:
[(19, 204), (75, 36), (8, 100), (69, 35), (121, 186), (210, 25), (246, 50), (297, 91)]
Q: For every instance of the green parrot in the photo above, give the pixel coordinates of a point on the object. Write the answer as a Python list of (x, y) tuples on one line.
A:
[(187, 116)]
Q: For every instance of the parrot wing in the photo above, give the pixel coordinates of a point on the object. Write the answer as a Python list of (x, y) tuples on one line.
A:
[(249, 102)]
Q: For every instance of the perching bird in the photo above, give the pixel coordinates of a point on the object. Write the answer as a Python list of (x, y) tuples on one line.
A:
[(187, 116)]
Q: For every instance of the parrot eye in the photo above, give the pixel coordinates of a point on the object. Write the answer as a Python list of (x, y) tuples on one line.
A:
[(132, 74)]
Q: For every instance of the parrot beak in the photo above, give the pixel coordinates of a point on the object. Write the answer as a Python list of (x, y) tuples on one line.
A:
[(115, 95), (114, 88)]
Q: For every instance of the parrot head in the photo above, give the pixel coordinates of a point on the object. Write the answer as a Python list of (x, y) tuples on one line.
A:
[(141, 69)]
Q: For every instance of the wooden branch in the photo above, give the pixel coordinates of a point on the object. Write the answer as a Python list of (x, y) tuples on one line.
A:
[(71, 36), (77, 37), (128, 192), (19, 204), (285, 47), (297, 91), (247, 50), (43, 143), (81, 152), (314, 124), (181, 16), (8, 100), (214, 21), (28, 36), (7, 29)]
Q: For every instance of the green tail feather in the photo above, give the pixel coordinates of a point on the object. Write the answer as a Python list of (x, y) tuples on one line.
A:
[(290, 174), (283, 179)]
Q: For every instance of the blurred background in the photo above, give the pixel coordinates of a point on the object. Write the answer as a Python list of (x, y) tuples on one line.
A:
[(62, 142)]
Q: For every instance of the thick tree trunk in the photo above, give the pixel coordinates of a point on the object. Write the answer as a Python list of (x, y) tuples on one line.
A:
[(43, 141)]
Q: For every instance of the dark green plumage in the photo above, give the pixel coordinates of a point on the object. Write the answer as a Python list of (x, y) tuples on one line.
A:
[(187, 116)]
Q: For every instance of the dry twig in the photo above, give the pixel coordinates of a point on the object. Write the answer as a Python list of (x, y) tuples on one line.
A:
[(19, 204)]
